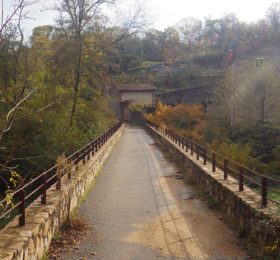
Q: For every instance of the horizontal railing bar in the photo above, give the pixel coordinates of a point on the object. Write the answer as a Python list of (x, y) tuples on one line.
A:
[(228, 166), (34, 191), (252, 180), (83, 153), (10, 210), (272, 189), (234, 162), (51, 178), (34, 180)]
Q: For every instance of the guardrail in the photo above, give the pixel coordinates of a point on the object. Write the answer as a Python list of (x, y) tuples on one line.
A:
[(24, 196), (259, 183)]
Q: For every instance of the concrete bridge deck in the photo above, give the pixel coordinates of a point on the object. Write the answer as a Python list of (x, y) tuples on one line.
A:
[(139, 212)]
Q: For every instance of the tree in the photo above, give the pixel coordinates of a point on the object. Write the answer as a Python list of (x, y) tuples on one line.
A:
[(171, 44), (186, 120), (273, 17), (131, 52), (259, 92), (190, 29), (75, 17), (152, 47), (223, 33)]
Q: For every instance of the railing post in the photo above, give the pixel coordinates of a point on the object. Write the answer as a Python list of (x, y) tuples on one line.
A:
[(197, 152), (84, 155), (44, 190), (76, 162), (69, 174), (225, 169), (205, 156), (88, 152), (213, 162), (241, 178), (58, 175), (264, 192), (191, 148), (95, 145), (22, 208), (187, 145)]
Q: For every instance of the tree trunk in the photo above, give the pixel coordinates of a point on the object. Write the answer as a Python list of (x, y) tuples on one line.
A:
[(77, 77)]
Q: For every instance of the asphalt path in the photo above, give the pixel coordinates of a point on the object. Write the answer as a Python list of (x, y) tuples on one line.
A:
[(139, 210)]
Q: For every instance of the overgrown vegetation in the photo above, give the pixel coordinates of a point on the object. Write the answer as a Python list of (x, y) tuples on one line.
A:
[(186, 120), (51, 87), (242, 61), (252, 149)]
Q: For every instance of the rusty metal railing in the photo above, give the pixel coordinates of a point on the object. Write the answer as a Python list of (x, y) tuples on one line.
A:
[(263, 185), (37, 187)]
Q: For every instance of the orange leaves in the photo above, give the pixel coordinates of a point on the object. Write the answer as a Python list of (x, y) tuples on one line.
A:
[(186, 120)]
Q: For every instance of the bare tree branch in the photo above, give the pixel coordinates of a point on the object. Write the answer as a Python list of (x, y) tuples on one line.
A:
[(18, 7), (10, 115)]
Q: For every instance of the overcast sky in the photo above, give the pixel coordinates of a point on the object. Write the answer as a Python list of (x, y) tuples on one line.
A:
[(167, 13)]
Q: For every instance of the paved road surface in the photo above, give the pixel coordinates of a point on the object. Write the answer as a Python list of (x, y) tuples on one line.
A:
[(139, 212)]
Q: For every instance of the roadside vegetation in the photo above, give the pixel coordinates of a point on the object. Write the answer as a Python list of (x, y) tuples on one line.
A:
[(251, 148), (52, 83), (241, 60)]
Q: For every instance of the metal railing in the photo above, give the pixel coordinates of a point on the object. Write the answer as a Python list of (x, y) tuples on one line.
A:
[(24, 196), (261, 184)]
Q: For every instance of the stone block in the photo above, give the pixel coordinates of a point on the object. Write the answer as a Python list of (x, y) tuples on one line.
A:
[(43, 221)]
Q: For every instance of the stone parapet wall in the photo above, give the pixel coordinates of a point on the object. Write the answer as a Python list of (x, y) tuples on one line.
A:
[(261, 226), (31, 241)]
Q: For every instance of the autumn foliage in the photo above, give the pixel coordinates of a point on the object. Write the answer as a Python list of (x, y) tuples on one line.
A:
[(186, 120)]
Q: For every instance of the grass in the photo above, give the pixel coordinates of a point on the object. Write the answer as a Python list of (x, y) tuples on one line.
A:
[(274, 196)]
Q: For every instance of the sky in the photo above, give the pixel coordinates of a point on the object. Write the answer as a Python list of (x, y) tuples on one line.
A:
[(169, 14), (162, 13)]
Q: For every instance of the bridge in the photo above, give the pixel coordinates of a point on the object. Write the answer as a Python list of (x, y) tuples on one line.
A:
[(140, 204)]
